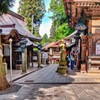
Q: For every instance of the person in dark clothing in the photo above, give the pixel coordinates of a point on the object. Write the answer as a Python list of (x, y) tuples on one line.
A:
[(72, 60)]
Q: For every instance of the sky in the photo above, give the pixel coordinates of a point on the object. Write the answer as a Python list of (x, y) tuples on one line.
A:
[(46, 21)]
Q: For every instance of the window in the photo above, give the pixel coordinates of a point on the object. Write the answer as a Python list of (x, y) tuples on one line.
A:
[(98, 47)]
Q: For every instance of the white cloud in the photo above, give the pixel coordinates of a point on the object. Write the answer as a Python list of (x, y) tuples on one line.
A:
[(45, 28)]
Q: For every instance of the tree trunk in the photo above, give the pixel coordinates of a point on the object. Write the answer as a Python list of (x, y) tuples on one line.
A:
[(3, 81)]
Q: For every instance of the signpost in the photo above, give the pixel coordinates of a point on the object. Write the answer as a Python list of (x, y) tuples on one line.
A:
[(45, 56)]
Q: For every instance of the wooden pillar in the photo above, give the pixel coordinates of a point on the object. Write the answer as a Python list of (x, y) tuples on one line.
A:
[(90, 37), (24, 61), (32, 57), (84, 46), (1, 62), (90, 45), (39, 58)]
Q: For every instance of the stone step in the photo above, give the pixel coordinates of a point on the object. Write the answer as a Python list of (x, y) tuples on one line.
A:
[(95, 62), (94, 71)]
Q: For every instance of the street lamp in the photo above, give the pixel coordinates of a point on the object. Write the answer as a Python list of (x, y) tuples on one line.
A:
[(10, 40), (81, 27), (23, 44)]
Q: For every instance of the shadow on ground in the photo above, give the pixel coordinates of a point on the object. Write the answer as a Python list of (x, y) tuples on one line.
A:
[(12, 89)]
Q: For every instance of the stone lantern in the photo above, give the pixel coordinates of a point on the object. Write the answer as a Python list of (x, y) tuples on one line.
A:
[(24, 54)]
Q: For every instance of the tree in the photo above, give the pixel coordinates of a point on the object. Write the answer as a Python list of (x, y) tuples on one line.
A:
[(36, 32), (5, 5), (57, 8), (33, 11), (63, 31), (59, 28), (44, 39)]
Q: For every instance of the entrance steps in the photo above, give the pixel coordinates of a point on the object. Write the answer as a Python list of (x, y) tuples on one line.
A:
[(94, 64)]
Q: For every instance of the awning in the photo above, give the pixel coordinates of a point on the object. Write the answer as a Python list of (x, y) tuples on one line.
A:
[(28, 43)]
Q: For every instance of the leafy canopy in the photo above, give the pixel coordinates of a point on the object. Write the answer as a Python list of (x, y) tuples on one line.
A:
[(63, 31), (5, 5), (33, 11), (59, 28), (44, 39)]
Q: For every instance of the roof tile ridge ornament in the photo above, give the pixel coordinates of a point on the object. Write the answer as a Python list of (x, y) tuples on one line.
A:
[(16, 15)]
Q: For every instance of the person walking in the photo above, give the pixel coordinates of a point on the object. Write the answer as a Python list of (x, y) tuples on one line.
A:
[(72, 60)]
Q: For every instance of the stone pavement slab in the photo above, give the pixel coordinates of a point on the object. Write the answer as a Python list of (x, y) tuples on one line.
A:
[(63, 92), (16, 74), (49, 75), (55, 92), (46, 84)]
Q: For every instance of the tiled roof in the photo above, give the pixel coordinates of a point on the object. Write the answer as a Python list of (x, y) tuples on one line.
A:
[(52, 44), (20, 25), (28, 43), (71, 35)]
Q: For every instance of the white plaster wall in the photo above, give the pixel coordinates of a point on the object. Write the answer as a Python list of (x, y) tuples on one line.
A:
[(95, 26), (6, 51)]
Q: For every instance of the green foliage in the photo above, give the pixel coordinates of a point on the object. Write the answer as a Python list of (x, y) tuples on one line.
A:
[(5, 5), (57, 8), (36, 32), (33, 11), (35, 49), (44, 39), (63, 31), (59, 28)]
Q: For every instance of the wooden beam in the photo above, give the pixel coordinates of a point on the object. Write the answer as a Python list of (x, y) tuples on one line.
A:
[(8, 26)]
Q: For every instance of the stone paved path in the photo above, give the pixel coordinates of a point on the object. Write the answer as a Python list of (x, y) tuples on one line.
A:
[(55, 92), (46, 84), (49, 75), (65, 92)]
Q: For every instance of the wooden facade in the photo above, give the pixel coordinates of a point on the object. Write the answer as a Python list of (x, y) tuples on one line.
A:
[(88, 11), (13, 26)]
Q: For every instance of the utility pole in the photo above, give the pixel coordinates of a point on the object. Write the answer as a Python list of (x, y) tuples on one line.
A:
[(32, 23)]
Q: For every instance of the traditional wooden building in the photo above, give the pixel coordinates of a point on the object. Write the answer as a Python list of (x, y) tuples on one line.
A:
[(13, 26), (84, 15), (53, 48)]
